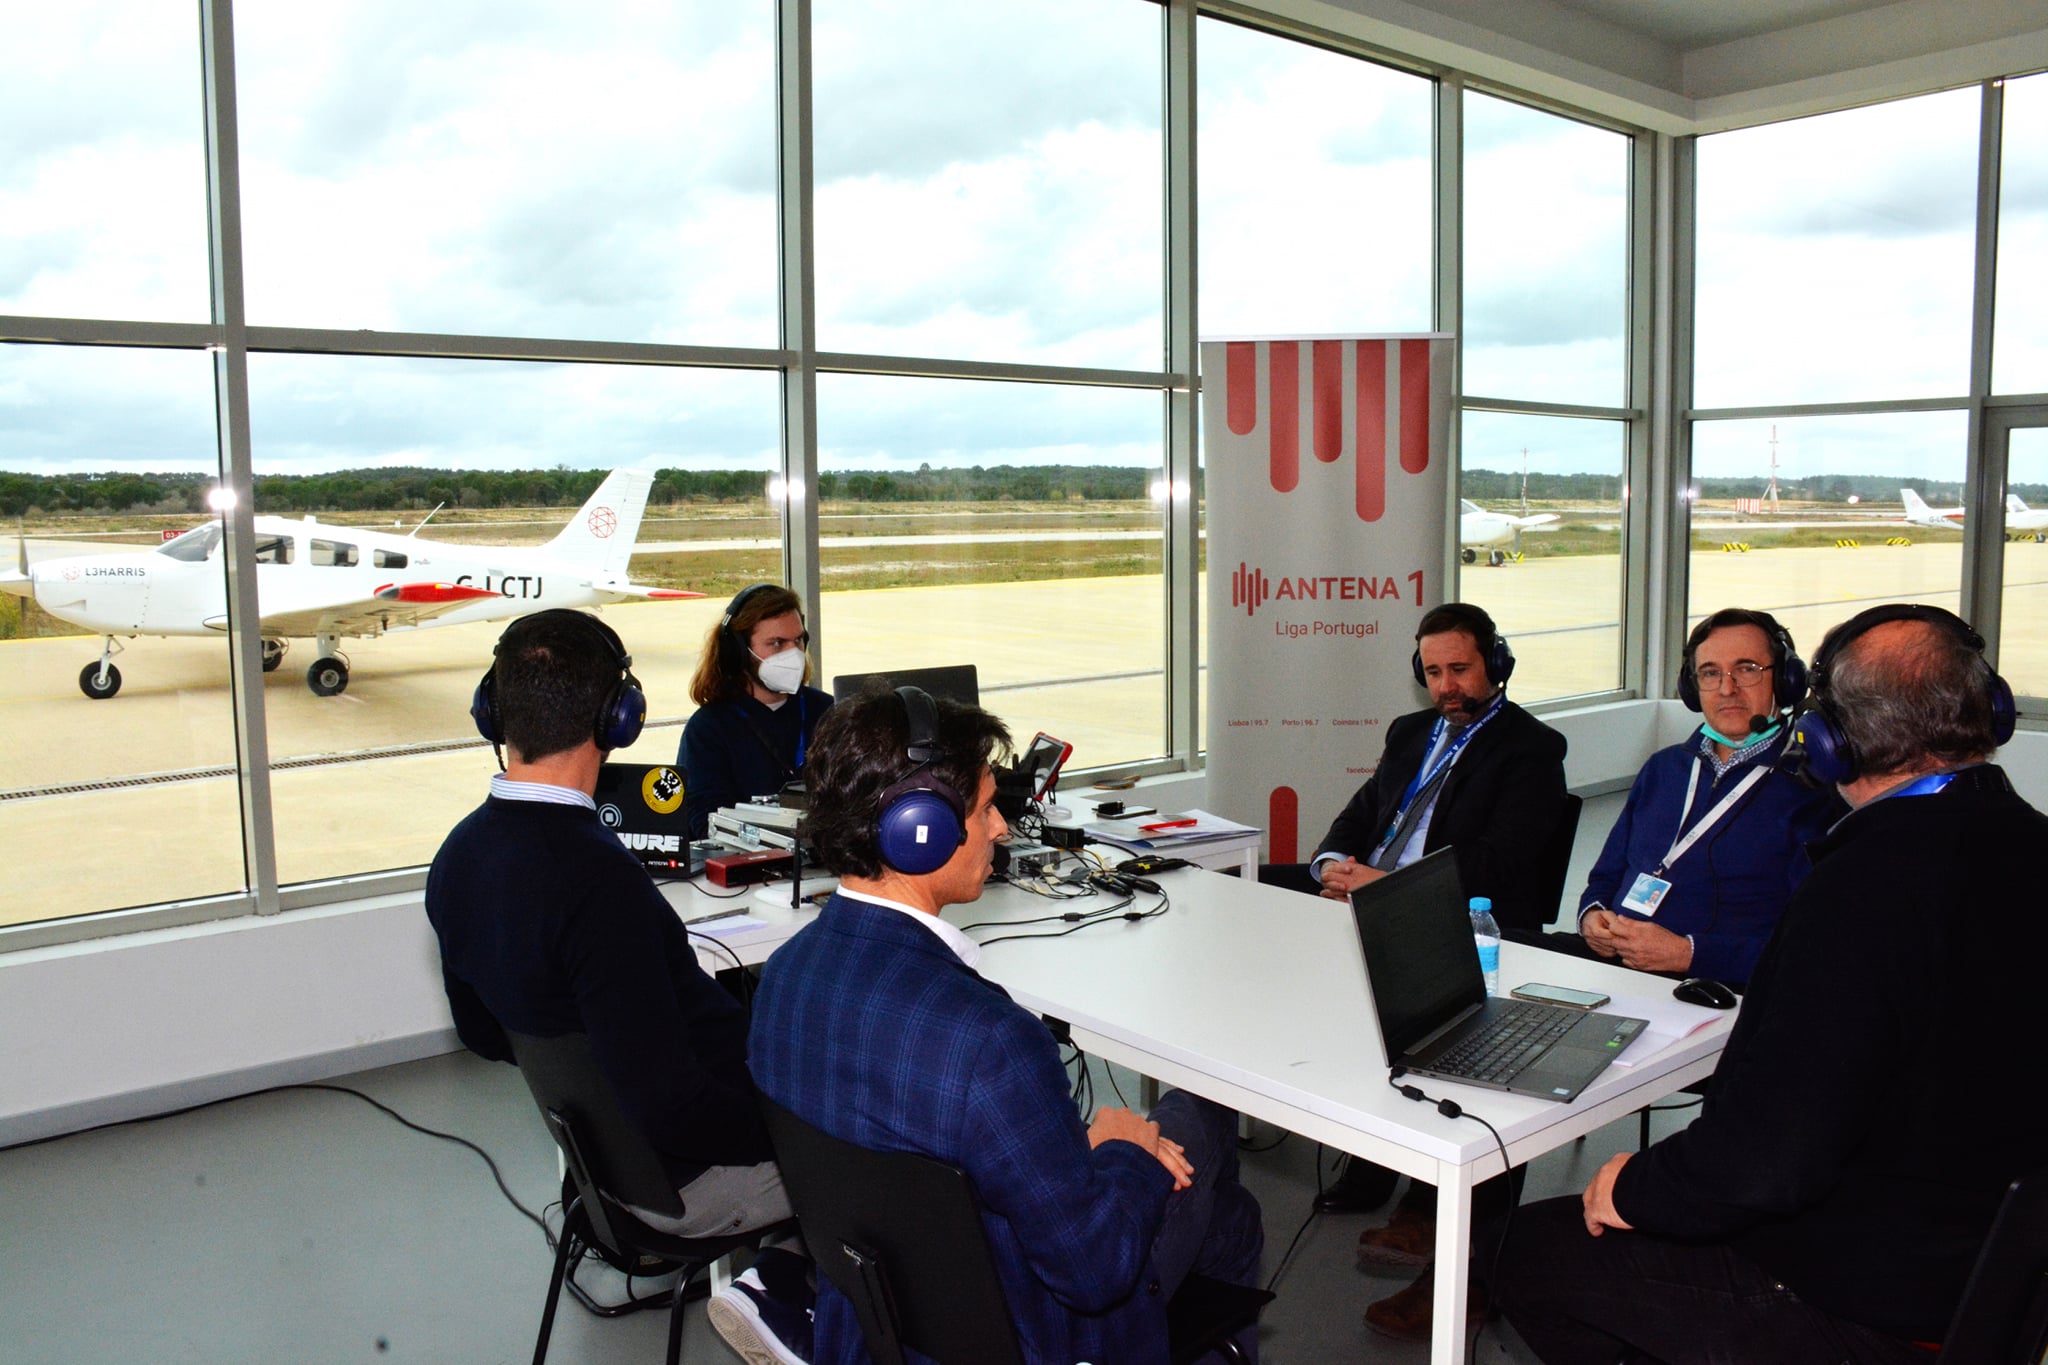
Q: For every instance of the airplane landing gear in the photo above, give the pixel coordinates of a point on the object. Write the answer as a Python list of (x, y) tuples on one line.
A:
[(1496, 558), (273, 655), (327, 677), (1469, 556), (101, 680)]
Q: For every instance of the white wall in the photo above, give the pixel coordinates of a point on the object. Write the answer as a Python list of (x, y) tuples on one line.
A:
[(117, 1028)]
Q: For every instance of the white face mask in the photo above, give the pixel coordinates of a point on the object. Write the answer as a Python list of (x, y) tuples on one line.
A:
[(782, 672)]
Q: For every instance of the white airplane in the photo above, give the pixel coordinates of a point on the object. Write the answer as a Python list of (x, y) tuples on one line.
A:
[(325, 582), (1479, 529), (2019, 518)]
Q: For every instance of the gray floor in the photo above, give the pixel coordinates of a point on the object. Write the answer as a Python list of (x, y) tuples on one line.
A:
[(305, 1226)]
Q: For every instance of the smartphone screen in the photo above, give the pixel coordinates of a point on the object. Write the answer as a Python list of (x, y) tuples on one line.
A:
[(1560, 995)]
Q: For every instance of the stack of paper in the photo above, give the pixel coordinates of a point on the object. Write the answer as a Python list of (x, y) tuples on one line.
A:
[(1150, 833)]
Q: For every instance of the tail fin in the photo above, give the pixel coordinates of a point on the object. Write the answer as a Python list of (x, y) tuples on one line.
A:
[(2013, 503), (1915, 507), (601, 535)]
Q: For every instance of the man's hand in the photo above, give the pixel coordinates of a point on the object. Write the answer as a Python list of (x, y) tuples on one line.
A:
[(1599, 1197), (1346, 875), (1597, 928), (1121, 1125), (1647, 948)]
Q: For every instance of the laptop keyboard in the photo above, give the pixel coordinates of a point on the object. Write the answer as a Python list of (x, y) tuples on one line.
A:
[(1509, 1044)]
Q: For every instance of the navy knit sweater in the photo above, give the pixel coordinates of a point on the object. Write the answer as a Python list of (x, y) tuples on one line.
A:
[(735, 750), (548, 926)]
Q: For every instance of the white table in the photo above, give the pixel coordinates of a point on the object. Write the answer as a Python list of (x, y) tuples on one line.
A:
[(750, 946), (1236, 850), (1256, 997)]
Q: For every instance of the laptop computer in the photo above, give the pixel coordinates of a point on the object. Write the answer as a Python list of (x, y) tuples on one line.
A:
[(1436, 1018), (955, 682), (642, 803)]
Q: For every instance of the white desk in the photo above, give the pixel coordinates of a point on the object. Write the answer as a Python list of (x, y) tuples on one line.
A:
[(1256, 997), (1238, 850), (750, 946)]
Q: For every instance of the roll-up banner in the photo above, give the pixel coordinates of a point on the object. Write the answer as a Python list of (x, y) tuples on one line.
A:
[(1327, 474)]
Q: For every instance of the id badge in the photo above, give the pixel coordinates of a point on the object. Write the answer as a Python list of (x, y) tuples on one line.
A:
[(1646, 895)]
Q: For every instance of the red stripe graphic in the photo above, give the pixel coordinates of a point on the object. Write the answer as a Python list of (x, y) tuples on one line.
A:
[(1327, 388), (1414, 406), (1283, 363), (1241, 386), (1372, 430), (1283, 824)]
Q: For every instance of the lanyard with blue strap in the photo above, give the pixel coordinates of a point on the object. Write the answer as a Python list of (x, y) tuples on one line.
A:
[(1430, 774)]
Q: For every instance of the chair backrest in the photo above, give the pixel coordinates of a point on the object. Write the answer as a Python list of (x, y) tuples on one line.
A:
[(608, 1157), (901, 1237), (1556, 862), (2003, 1316)]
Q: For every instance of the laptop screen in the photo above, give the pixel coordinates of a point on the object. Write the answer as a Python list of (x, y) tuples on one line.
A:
[(1417, 935), (955, 682)]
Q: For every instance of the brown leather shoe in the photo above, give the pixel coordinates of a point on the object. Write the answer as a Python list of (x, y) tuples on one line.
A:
[(1406, 1316), (1406, 1244)]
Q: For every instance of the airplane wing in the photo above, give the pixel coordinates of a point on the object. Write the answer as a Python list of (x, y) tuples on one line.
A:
[(623, 592), (394, 604)]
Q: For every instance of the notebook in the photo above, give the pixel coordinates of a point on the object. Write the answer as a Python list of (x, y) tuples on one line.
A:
[(1434, 1012), (642, 803)]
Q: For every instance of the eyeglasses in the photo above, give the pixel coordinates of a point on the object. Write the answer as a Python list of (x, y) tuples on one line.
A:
[(1744, 673)]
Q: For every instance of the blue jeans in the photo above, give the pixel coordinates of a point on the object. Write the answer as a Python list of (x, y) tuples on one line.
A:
[(1630, 1296), (1212, 1227)]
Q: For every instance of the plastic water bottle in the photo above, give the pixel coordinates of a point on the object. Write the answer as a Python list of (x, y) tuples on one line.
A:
[(1486, 934)]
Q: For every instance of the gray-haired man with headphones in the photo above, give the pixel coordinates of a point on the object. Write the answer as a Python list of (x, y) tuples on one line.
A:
[(1874, 1100), (548, 926)]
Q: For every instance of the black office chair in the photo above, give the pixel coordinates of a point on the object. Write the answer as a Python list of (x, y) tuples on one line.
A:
[(1556, 862), (610, 1165), (900, 1235), (2003, 1316)]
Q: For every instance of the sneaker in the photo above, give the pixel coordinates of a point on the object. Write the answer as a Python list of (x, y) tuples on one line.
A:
[(761, 1328)]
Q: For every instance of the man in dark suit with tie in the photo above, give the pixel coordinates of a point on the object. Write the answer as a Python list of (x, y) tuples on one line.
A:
[(873, 1025)]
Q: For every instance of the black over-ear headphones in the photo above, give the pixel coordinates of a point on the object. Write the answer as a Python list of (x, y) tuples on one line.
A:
[(1819, 743), (1788, 670), (922, 819), (1493, 646), (736, 656), (617, 723)]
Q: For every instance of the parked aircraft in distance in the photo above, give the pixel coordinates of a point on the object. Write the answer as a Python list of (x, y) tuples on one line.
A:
[(325, 582), (2019, 518), (1479, 529)]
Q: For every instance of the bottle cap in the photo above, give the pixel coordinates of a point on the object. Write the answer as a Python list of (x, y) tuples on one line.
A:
[(1479, 903)]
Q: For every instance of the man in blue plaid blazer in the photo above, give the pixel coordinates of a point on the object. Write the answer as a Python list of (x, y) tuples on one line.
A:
[(873, 1025)]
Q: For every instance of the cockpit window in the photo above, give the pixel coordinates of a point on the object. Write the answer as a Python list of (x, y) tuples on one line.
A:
[(195, 545)]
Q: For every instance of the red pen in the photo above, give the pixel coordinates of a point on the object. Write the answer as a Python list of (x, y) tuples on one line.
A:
[(1168, 824)]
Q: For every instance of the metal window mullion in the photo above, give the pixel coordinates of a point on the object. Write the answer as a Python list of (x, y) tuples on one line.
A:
[(1983, 467), (1667, 506), (1656, 536), (231, 401), (794, 150), (1181, 552), (1447, 209)]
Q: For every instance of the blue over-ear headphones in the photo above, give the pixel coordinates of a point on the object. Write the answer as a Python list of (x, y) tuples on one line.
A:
[(922, 820), (617, 723), (1820, 746)]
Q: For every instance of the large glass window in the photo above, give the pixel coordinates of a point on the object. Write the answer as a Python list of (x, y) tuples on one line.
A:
[(1546, 262), (117, 788), (102, 176), (1836, 255), (1315, 189), (587, 171), (1815, 518), (2020, 345), (989, 181), (1010, 526), (476, 474), (2023, 614), (1539, 527)]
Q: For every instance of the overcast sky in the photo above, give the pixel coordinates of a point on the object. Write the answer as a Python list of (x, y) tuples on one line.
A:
[(988, 187)]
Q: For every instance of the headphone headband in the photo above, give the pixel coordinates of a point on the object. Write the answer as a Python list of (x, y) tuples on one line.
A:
[(618, 721)]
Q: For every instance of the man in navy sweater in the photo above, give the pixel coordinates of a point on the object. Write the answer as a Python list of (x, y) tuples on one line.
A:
[(1830, 1198), (549, 926)]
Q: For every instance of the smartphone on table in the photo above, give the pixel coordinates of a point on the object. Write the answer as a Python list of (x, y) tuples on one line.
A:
[(1559, 995)]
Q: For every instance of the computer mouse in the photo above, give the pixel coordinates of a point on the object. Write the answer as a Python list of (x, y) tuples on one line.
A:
[(1700, 991)]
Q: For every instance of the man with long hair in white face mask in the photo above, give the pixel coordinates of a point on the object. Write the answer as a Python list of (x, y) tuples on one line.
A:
[(755, 714)]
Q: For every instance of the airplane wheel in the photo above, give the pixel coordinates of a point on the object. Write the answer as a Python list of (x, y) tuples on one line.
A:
[(273, 655), (327, 677), (1496, 558), (90, 684), (1469, 556)]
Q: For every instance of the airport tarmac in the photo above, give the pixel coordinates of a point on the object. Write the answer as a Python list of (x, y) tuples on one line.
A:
[(1078, 658)]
